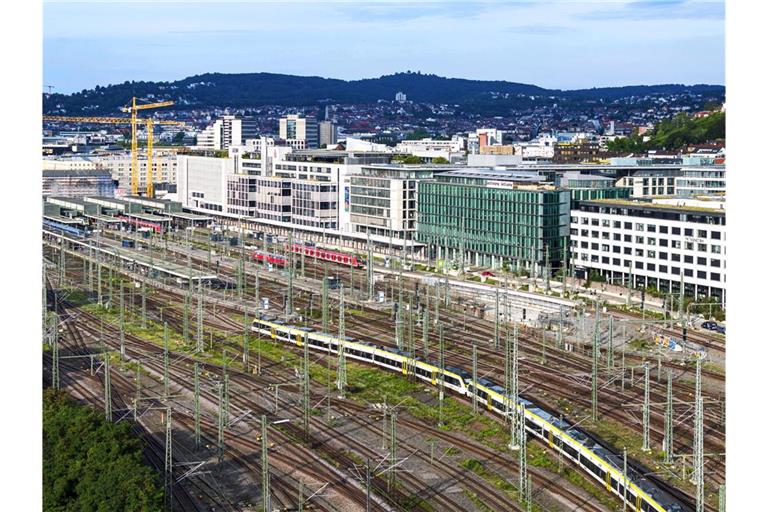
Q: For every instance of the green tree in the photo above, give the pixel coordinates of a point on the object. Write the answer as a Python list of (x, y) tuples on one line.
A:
[(440, 160), (90, 464)]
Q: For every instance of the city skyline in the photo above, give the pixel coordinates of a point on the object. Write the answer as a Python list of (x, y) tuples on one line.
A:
[(549, 44)]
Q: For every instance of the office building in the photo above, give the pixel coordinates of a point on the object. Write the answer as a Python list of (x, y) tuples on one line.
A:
[(327, 131), (227, 131), (704, 180), (382, 199), (295, 127), (658, 244), (493, 217)]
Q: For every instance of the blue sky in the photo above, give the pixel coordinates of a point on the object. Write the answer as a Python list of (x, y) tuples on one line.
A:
[(563, 44)]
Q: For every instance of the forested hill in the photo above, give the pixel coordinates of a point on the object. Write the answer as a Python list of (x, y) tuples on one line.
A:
[(249, 90)]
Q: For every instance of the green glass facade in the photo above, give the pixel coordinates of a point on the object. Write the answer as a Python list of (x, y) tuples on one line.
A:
[(493, 225)]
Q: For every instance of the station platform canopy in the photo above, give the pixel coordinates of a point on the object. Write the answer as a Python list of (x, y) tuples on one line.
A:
[(107, 219), (148, 217), (189, 216), (63, 219)]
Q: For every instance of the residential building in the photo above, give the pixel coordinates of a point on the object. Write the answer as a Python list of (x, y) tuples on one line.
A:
[(651, 182), (401, 97), (295, 127), (78, 183), (580, 151), (491, 217), (658, 244)]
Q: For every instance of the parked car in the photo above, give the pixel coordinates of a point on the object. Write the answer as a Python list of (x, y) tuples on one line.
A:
[(709, 325), (720, 329)]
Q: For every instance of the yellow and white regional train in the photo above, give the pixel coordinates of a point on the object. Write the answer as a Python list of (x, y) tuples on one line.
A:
[(599, 462)]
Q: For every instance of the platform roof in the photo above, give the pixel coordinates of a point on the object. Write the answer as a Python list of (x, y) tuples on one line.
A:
[(63, 219), (148, 217)]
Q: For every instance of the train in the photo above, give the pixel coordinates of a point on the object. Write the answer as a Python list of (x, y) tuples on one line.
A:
[(154, 226), (80, 231), (326, 255), (668, 342), (274, 259), (600, 462)]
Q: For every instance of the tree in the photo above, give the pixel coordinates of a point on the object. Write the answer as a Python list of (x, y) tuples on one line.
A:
[(90, 464), (178, 138), (440, 160)]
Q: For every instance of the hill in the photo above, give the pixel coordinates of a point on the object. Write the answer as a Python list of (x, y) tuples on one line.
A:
[(249, 90)]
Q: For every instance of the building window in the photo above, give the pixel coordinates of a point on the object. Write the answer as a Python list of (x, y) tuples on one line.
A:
[(702, 233), (663, 242), (605, 248), (617, 224), (595, 222), (714, 263), (627, 250), (716, 249), (701, 247), (605, 223), (675, 257), (688, 232), (688, 272), (701, 274), (617, 262), (639, 240), (617, 237), (651, 228), (639, 264), (651, 241), (688, 246), (606, 235), (714, 276), (701, 261), (584, 232), (616, 249), (676, 270), (594, 246), (675, 231), (627, 225), (584, 245), (675, 244), (716, 235), (652, 267), (663, 256), (595, 234), (688, 259), (638, 252), (663, 269), (627, 238), (639, 227), (605, 260), (663, 229), (651, 254)]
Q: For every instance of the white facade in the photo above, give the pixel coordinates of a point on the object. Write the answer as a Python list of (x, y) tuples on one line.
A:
[(661, 243), (650, 184), (540, 148), (202, 181), (223, 133), (704, 180)]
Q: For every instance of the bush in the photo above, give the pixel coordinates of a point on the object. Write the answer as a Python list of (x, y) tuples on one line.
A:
[(90, 464)]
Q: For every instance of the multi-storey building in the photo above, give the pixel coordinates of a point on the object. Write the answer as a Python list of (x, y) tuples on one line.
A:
[(327, 134), (490, 217), (704, 180), (651, 182), (295, 127), (201, 182), (658, 244), (78, 183), (382, 199), (227, 131)]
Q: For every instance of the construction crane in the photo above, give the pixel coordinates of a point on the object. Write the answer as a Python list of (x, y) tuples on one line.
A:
[(133, 110), (133, 121)]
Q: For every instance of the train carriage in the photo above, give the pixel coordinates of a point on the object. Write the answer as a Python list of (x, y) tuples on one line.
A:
[(598, 461)]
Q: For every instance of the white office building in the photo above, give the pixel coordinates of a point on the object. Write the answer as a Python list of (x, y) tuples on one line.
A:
[(658, 244), (704, 180)]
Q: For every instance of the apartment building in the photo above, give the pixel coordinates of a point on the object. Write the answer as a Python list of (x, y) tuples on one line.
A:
[(298, 128), (660, 244)]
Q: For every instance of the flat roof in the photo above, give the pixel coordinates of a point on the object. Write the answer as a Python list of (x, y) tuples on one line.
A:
[(655, 206), (484, 173), (103, 218), (63, 219), (188, 216), (62, 199), (148, 216)]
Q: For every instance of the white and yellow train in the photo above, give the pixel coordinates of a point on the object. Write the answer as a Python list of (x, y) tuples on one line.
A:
[(598, 461)]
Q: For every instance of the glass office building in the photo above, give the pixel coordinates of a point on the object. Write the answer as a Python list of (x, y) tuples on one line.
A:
[(489, 217)]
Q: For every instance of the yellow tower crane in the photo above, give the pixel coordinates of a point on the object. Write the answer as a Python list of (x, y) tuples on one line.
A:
[(134, 146), (133, 110)]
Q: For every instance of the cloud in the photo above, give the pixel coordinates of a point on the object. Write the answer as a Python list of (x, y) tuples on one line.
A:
[(646, 10)]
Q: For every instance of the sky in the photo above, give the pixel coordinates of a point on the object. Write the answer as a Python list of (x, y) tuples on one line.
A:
[(560, 44)]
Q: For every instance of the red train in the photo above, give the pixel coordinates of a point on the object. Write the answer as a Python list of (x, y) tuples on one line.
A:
[(325, 255), (142, 223), (274, 259)]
